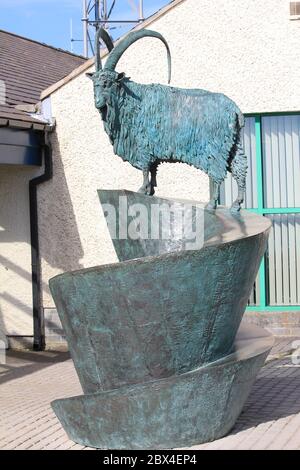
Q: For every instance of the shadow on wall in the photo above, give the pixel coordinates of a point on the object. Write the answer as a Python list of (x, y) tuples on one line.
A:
[(60, 244), (15, 252)]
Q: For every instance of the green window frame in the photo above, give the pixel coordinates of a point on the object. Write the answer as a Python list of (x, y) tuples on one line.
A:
[(263, 306)]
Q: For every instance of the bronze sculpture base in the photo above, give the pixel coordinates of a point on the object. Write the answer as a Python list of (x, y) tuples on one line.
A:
[(179, 411), (153, 336)]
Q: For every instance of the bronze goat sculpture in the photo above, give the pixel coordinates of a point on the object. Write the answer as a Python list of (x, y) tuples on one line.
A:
[(150, 124)]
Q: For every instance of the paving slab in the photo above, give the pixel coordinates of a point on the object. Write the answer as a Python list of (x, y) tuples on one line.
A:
[(29, 381)]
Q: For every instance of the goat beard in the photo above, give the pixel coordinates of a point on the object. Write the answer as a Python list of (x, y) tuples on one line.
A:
[(109, 116), (103, 112)]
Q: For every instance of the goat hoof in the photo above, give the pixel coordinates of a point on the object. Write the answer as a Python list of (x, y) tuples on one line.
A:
[(211, 206), (147, 190), (142, 190), (236, 207), (152, 191)]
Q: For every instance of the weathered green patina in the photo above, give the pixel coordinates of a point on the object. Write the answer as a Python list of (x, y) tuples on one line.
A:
[(178, 411), (149, 124), (154, 337), (145, 334)]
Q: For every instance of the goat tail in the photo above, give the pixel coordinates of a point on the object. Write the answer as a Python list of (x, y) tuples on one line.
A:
[(239, 167), (241, 120), (238, 164)]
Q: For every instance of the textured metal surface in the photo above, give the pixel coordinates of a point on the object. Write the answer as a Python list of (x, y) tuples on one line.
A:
[(156, 316), (153, 336), (218, 227), (183, 410), (149, 124)]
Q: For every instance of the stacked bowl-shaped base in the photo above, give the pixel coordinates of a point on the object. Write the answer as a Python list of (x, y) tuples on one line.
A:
[(153, 338)]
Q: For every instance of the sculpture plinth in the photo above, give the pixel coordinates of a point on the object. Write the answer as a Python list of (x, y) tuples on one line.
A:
[(154, 337)]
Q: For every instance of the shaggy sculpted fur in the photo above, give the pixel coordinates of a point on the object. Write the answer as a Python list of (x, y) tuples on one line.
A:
[(149, 124)]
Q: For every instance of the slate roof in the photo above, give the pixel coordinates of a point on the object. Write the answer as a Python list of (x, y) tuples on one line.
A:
[(27, 67)]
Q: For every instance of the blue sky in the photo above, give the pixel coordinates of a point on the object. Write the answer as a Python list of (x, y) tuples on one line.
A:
[(49, 20)]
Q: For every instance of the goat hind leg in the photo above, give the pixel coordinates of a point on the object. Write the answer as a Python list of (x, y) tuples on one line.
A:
[(236, 205), (153, 182), (239, 173), (146, 186), (213, 203)]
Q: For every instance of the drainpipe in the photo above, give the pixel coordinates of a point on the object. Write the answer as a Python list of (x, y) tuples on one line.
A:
[(38, 312)]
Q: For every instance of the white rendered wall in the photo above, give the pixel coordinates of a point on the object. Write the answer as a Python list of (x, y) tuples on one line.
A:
[(245, 49), (15, 252)]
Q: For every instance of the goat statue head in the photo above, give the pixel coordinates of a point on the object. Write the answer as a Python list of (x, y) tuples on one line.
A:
[(106, 79)]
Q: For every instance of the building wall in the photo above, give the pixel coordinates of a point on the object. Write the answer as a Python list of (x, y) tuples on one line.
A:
[(247, 50), (15, 252)]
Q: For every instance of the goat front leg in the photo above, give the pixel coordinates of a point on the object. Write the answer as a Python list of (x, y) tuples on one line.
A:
[(153, 181), (213, 203), (236, 206), (146, 187)]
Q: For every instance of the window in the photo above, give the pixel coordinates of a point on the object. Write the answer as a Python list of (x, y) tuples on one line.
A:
[(295, 10), (272, 144)]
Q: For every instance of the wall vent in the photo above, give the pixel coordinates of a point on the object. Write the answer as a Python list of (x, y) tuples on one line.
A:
[(294, 10)]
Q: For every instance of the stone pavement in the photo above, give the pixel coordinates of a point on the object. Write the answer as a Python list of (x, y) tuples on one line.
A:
[(29, 381)]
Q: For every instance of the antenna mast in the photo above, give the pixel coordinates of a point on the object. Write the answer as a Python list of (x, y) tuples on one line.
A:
[(97, 13)]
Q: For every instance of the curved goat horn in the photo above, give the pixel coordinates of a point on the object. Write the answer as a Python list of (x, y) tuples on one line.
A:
[(119, 50), (102, 34)]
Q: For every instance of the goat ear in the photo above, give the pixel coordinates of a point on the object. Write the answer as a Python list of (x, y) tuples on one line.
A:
[(120, 76), (89, 75)]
